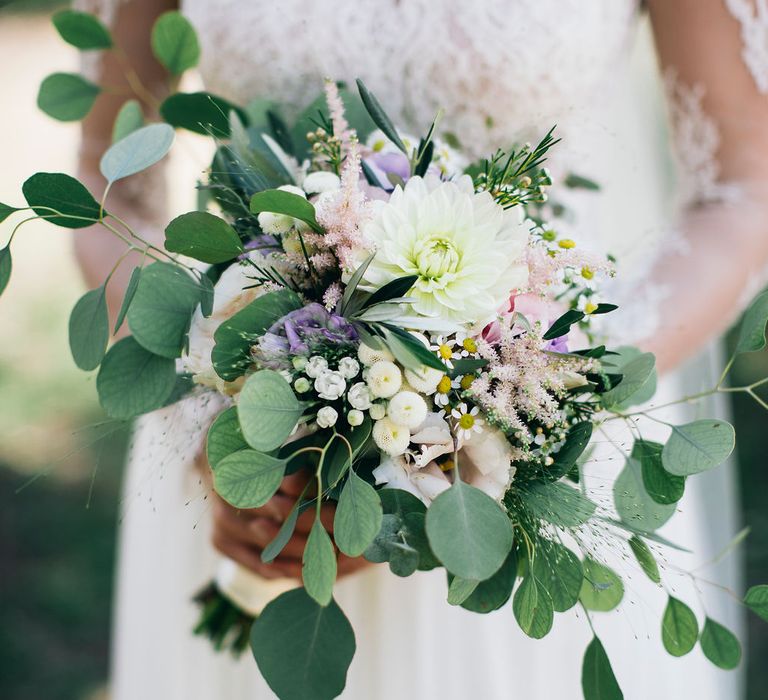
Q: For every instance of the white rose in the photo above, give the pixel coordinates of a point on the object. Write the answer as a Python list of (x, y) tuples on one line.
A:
[(355, 417), (384, 379), (407, 408), (369, 356), (330, 385), (391, 438), (425, 380), (327, 417), (359, 396), (316, 366), (321, 181), (349, 367)]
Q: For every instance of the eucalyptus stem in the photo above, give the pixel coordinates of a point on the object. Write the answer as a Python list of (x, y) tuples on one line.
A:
[(134, 81)]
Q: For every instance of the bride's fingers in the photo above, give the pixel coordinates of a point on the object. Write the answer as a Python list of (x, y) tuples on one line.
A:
[(264, 531), (293, 484), (249, 557), (307, 518)]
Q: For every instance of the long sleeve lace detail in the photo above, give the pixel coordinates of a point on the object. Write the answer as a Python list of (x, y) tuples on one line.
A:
[(753, 17)]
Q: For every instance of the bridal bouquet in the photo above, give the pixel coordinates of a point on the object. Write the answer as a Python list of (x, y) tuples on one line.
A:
[(409, 330)]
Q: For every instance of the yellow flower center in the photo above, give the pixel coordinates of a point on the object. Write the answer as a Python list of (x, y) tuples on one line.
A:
[(466, 381), (567, 243), (447, 465), (466, 422), (444, 385), (469, 345), (589, 307), (436, 257), (445, 351), (587, 273)]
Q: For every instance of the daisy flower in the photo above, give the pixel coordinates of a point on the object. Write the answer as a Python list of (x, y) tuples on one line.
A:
[(446, 349), (467, 421)]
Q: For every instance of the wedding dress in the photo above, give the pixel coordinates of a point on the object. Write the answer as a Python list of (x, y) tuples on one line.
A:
[(503, 71)]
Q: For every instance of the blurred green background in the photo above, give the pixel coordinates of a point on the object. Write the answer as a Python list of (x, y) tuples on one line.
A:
[(57, 533)]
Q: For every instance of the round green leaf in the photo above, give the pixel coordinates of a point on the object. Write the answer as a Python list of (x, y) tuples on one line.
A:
[(557, 503), (633, 503), (493, 593), (136, 152), (720, 645), (224, 437), (132, 380), (533, 608), (645, 558), (6, 266), (89, 329), (281, 202), (662, 487), (757, 601), (268, 410), (558, 570), (679, 629), (317, 640), (64, 194), (82, 30), (67, 96), (637, 371), (597, 679), (468, 532), (161, 311), (318, 570), (203, 236), (174, 42), (460, 589), (752, 329), (698, 446), (358, 516), (601, 590), (200, 112), (247, 478), (129, 119)]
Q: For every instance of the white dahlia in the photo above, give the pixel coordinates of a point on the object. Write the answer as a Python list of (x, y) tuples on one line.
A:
[(467, 250)]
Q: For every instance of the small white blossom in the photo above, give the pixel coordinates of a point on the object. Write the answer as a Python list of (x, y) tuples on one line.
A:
[(407, 408), (467, 421), (391, 438), (330, 385), (316, 366), (279, 223), (355, 417), (321, 181), (359, 396), (349, 367), (299, 363), (384, 379), (302, 385), (377, 411), (370, 356), (327, 417)]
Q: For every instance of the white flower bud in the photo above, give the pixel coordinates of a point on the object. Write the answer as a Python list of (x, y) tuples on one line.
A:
[(377, 411), (424, 380), (355, 417), (316, 366), (280, 223), (286, 374), (391, 437), (327, 417), (330, 385), (384, 379), (302, 385), (321, 181), (369, 356), (299, 362), (407, 408), (349, 367), (359, 396)]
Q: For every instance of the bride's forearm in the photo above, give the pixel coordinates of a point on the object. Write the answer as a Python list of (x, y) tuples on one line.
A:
[(708, 280)]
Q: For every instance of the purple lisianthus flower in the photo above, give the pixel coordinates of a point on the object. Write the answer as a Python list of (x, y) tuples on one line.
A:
[(386, 163), (558, 344)]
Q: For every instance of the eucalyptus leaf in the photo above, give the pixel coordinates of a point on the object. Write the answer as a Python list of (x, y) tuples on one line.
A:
[(318, 640), (130, 292), (752, 328), (494, 592), (533, 608), (6, 267), (82, 29), (576, 441), (602, 589), (6, 211), (200, 112), (203, 236), (679, 628), (282, 202), (283, 536), (645, 558), (318, 569), (137, 151), (720, 645), (247, 478), (756, 600), (207, 293), (697, 447), (460, 589), (132, 380), (633, 503), (468, 532), (224, 437), (129, 119), (174, 42), (662, 487), (558, 570), (268, 410), (636, 374), (557, 503), (598, 681), (65, 195), (358, 516), (67, 97), (89, 329)]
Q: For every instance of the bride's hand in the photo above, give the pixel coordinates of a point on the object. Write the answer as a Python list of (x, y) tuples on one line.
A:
[(243, 534)]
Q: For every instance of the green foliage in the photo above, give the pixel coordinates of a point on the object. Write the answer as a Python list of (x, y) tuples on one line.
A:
[(697, 447), (633, 503), (645, 558), (556, 503), (337, 458), (224, 437), (137, 151), (89, 329), (174, 42), (563, 324), (558, 570), (234, 337), (409, 351), (130, 292), (720, 645), (6, 211), (468, 532), (597, 679), (282, 202), (247, 478), (133, 381), (268, 410), (200, 112), (756, 600), (575, 181), (358, 516), (283, 536), (679, 629), (203, 236), (494, 592), (379, 116), (533, 608), (66, 195), (752, 329), (67, 97), (6, 267), (161, 312), (638, 376), (317, 639), (576, 441), (662, 487), (601, 590), (82, 30), (460, 589), (318, 569), (129, 119)]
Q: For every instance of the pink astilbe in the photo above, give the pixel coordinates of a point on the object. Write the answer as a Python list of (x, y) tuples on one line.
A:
[(341, 128), (546, 267), (332, 296)]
